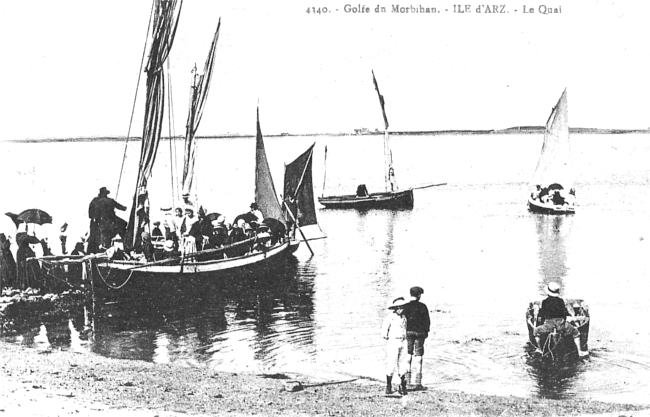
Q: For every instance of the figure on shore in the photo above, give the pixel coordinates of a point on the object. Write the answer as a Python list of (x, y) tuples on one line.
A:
[(393, 329), (24, 270), (417, 330), (556, 317), (7, 263), (104, 223)]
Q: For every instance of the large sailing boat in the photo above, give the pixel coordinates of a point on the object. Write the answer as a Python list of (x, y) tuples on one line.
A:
[(254, 249), (553, 180), (392, 197)]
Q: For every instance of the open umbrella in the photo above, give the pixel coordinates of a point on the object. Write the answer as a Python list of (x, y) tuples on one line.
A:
[(248, 217), (212, 216), (35, 216)]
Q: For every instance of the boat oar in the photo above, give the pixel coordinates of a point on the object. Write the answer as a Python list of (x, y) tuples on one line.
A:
[(429, 185), (299, 229)]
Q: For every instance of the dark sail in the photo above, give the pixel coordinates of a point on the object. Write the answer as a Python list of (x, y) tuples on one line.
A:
[(165, 21), (198, 98), (265, 195), (299, 188)]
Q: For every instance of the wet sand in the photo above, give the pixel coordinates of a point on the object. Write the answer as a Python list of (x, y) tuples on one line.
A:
[(55, 383)]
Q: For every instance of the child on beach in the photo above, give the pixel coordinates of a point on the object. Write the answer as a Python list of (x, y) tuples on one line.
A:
[(393, 329)]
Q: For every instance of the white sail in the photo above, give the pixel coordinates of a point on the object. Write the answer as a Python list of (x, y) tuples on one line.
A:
[(554, 165)]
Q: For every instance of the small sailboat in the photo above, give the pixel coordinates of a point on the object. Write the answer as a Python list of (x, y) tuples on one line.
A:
[(391, 198), (553, 180), (554, 345)]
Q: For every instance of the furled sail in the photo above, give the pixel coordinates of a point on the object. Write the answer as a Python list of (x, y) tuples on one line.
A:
[(299, 188), (265, 195), (198, 97), (389, 172), (165, 21), (554, 165)]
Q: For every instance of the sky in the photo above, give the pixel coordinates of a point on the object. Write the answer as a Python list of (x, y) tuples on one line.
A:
[(70, 68)]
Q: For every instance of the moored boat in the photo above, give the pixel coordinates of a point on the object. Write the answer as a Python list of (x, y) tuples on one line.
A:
[(392, 197), (554, 345), (257, 244)]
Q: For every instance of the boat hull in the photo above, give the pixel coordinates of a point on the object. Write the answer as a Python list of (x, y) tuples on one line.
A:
[(537, 206), (388, 200), (560, 347), (212, 267)]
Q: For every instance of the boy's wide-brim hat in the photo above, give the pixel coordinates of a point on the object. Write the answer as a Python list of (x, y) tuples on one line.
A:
[(399, 302), (553, 289)]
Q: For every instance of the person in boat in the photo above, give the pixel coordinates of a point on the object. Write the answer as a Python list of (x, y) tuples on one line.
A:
[(393, 329), (107, 223), (156, 233), (558, 199), (190, 231), (535, 194), (237, 233), (554, 314), (63, 238), (147, 246), (362, 191), (257, 213), (277, 230), (116, 251), (8, 269), (418, 324)]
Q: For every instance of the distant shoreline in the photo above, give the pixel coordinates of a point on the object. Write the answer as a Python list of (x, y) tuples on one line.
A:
[(511, 130)]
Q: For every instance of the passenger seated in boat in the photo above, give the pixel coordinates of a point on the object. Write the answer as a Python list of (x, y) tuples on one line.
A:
[(362, 191), (558, 200), (554, 313), (156, 233), (237, 233), (535, 194), (146, 247), (116, 251)]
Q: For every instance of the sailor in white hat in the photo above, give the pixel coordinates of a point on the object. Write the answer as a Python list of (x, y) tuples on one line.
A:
[(554, 313), (393, 329)]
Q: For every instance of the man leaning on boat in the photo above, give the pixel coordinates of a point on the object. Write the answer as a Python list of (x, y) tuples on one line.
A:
[(104, 223), (556, 318)]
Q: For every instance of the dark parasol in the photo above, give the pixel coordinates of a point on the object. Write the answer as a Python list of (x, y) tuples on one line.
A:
[(248, 218), (36, 216)]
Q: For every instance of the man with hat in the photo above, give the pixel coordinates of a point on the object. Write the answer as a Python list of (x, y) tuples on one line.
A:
[(393, 329), (417, 330), (104, 223), (554, 313)]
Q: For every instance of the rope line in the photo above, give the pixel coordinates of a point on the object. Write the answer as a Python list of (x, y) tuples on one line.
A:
[(135, 98), (113, 287)]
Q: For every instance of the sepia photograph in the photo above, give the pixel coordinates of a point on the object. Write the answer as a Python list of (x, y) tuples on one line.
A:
[(301, 208)]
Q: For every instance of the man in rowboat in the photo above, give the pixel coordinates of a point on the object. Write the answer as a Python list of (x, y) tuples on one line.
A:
[(555, 313)]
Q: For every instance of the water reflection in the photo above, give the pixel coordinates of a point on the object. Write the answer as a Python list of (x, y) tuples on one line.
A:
[(246, 321), (555, 377)]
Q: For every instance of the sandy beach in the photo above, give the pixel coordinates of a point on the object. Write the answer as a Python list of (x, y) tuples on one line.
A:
[(60, 383)]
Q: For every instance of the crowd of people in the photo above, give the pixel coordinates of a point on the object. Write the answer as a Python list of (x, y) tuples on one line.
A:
[(182, 231), (553, 194)]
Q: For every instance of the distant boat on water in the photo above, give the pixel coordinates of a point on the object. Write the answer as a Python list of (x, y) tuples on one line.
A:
[(553, 180), (392, 197)]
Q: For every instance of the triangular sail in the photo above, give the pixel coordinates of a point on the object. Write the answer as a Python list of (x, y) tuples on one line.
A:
[(265, 195), (554, 165), (165, 22), (299, 188), (198, 97)]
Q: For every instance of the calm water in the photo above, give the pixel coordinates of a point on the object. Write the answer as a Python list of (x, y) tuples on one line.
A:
[(472, 245)]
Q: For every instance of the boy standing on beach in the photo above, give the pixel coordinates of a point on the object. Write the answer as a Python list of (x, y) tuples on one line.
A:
[(393, 329), (417, 330)]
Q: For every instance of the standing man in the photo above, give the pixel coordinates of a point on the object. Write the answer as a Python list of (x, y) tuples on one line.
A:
[(417, 329), (104, 223), (393, 329)]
